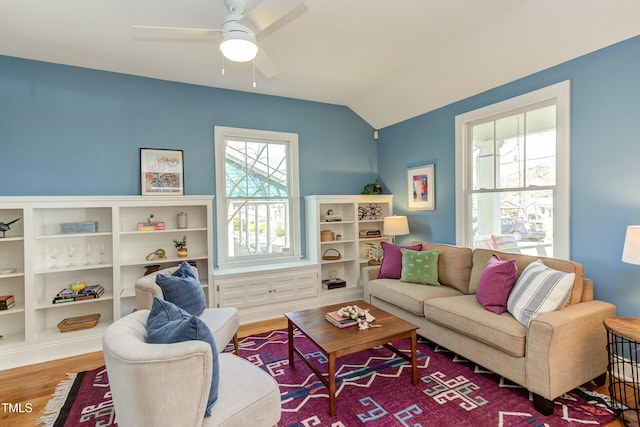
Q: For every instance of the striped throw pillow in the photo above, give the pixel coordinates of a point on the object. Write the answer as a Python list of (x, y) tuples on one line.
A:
[(539, 289)]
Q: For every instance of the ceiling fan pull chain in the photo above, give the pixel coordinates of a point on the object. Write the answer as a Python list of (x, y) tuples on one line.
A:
[(222, 56)]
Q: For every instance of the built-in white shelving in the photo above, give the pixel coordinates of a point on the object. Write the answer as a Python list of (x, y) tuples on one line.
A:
[(38, 259), (342, 218)]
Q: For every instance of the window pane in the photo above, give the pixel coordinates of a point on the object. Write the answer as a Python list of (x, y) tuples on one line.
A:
[(541, 146), (257, 227), (483, 156), (526, 216), (256, 169), (510, 142)]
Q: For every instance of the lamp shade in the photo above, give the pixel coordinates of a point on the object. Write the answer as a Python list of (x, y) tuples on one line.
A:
[(631, 251), (395, 225), (239, 46)]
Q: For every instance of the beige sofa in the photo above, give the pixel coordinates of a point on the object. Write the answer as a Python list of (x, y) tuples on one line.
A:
[(559, 351)]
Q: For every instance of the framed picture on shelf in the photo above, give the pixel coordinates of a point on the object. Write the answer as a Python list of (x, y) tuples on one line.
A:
[(421, 187), (161, 172)]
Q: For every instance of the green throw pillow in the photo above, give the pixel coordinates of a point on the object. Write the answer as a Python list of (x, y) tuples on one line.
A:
[(420, 267)]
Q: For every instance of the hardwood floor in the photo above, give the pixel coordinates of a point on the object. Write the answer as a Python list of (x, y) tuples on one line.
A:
[(32, 386)]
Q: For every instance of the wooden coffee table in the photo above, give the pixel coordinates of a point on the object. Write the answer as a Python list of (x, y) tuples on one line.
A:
[(335, 342)]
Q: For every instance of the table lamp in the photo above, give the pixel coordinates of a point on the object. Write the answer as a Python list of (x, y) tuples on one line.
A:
[(395, 225), (631, 251)]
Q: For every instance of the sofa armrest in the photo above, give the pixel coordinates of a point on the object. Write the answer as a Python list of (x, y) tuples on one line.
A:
[(369, 273), (567, 348)]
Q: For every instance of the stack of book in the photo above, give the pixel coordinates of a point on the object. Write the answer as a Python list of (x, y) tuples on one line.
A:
[(341, 322), (6, 302), (368, 234), (67, 295), (151, 226)]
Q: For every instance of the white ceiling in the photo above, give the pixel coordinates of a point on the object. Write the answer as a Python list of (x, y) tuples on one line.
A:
[(387, 60)]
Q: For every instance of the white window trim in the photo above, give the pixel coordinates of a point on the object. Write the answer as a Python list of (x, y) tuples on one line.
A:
[(220, 132), (561, 92)]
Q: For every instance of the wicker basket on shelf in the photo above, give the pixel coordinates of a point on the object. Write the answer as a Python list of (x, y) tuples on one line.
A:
[(77, 323), (331, 255), (327, 236)]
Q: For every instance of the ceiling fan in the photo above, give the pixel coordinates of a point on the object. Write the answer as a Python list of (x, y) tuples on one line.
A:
[(239, 31)]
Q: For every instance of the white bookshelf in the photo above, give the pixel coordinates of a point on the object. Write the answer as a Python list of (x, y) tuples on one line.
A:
[(351, 215), (30, 332)]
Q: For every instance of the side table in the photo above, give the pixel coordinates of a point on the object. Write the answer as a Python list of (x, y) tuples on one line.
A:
[(623, 347)]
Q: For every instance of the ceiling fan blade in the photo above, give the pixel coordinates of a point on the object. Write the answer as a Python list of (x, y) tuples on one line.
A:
[(179, 30), (267, 67), (268, 12)]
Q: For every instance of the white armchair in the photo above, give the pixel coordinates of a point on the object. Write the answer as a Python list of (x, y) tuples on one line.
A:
[(222, 322), (168, 384)]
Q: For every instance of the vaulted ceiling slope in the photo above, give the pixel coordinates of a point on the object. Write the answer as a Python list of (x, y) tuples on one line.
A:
[(387, 60)]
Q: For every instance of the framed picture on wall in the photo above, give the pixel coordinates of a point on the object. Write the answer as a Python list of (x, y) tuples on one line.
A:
[(421, 187), (161, 172)]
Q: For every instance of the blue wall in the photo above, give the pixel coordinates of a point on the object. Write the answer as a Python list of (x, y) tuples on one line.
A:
[(605, 156), (74, 131)]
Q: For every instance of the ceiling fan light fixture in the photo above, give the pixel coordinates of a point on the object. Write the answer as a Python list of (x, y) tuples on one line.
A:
[(239, 46)]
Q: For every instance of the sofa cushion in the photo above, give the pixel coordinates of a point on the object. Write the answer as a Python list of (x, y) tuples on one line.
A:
[(408, 296), (167, 324), (420, 267), (391, 267), (183, 289), (465, 315), (539, 289), (496, 283), (454, 265), (481, 256)]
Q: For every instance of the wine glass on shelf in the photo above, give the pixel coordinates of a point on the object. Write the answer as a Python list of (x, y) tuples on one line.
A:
[(88, 250), (101, 251), (53, 253), (71, 252)]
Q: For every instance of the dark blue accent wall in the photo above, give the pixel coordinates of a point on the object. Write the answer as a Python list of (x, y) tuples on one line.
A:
[(605, 163)]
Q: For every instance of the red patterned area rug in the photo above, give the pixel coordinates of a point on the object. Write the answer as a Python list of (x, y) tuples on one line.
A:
[(374, 389)]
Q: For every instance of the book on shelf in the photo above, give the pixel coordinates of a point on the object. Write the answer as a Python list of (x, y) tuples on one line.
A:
[(151, 226), (368, 234), (7, 302), (67, 295)]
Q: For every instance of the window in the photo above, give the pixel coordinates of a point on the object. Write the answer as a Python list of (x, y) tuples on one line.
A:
[(512, 177), (257, 199)]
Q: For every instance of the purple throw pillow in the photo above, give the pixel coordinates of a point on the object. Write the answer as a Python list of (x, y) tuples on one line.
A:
[(391, 267), (495, 284)]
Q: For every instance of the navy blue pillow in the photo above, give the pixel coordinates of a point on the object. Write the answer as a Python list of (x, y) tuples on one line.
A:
[(167, 324), (183, 289)]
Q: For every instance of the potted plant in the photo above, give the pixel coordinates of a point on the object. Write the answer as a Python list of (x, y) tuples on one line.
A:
[(372, 188), (374, 254), (181, 247)]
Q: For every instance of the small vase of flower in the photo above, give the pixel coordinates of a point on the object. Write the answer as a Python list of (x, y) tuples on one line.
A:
[(181, 247)]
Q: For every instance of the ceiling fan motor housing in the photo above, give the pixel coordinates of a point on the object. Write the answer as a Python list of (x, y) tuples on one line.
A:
[(239, 43)]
